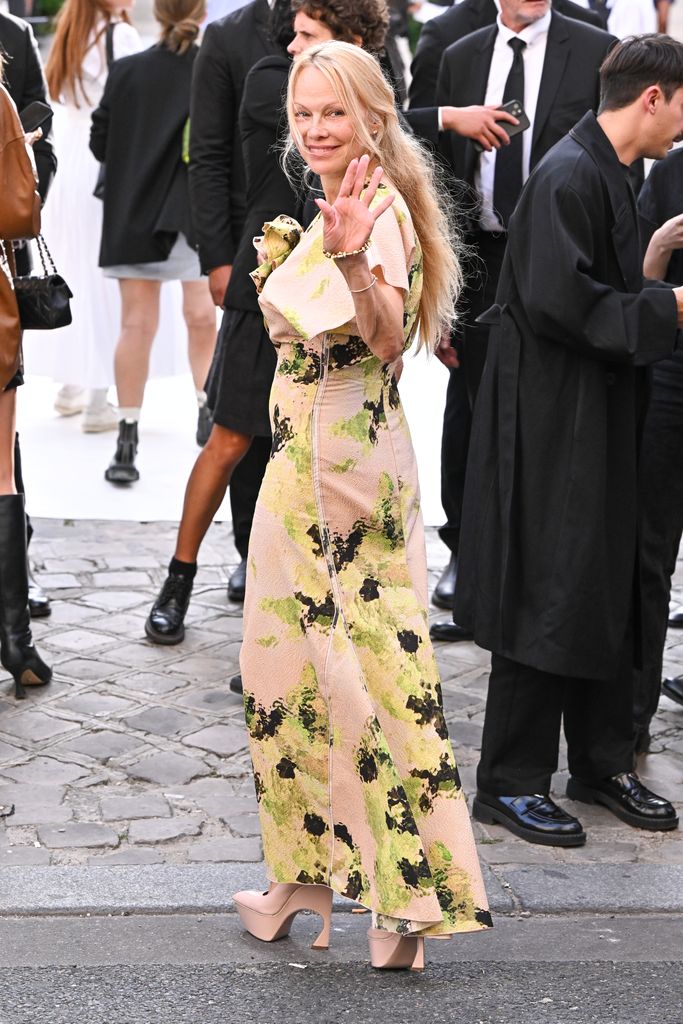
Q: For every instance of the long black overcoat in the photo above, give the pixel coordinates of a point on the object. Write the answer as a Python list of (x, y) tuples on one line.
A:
[(548, 551)]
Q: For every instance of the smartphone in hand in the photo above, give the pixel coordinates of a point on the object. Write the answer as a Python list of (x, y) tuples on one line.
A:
[(515, 108), (35, 115)]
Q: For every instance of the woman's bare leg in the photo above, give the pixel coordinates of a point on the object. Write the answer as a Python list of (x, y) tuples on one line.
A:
[(206, 488), (199, 314), (8, 403), (139, 323)]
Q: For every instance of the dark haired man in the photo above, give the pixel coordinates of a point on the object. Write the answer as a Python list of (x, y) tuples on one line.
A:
[(550, 552)]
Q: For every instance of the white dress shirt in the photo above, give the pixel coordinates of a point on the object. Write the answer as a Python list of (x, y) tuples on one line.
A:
[(628, 17), (535, 36)]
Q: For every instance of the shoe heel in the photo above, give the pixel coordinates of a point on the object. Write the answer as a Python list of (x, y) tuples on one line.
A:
[(483, 813), (19, 691), (577, 791), (392, 952), (322, 905)]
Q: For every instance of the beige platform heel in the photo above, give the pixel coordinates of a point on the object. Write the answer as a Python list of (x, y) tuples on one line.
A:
[(268, 915), (390, 951)]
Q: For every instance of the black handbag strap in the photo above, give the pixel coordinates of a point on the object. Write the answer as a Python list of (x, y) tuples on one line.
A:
[(45, 256), (109, 43)]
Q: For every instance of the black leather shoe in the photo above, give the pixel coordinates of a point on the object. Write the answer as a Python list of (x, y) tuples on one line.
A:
[(627, 797), (38, 601), (166, 622), (673, 688), (449, 631), (444, 591), (235, 685), (676, 617), (204, 424), (122, 468), (536, 818), (237, 582)]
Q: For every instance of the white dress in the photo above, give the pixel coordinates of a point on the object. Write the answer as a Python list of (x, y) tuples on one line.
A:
[(83, 353)]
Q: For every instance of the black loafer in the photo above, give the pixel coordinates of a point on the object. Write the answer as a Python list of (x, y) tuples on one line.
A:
[(444, 591), (38, 601), (535, 817), (673, 688), (204, 424), (235, 685), (165, 622), (676, 617), (627, 797), (237, 582), (122, 468), (450, 632)]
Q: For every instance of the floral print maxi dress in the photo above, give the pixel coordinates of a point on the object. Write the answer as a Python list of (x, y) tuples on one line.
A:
[(355, 776)]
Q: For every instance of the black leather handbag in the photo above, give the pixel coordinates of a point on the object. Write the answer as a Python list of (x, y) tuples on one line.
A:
[(43, 301)]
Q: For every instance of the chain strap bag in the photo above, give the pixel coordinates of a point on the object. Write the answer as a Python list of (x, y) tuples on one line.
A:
[(43, 301)]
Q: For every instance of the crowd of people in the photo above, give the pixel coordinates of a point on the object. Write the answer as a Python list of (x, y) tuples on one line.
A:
[(498, 214)]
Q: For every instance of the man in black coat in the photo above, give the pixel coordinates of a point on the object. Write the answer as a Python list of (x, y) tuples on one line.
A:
[(550, 551), (559, 61), (455, 23), (230, 48)]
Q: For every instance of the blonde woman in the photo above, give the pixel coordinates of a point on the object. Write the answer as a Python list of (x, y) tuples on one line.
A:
[(147, 236), (357, 784)]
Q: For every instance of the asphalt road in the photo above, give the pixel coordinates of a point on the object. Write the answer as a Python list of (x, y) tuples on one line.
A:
[(205, 970)]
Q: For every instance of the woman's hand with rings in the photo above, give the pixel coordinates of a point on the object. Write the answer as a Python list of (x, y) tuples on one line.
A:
[(348, 222)]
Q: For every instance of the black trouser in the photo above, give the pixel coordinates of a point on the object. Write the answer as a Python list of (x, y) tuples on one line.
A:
[(244, 487), (455, 439), (661, 499), (524, 712), (479, 296), (463, 385)]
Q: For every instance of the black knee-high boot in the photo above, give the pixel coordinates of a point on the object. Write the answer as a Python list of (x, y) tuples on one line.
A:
[(17, 653), (38, 601)]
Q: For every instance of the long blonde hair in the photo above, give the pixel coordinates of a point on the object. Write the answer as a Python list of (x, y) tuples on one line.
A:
[(368, 99), (75, 24)]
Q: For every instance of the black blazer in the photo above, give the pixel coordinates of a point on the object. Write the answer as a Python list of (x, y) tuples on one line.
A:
[(230, 48), (569, 85), (137, 130), (262, 122), (454, 24), (25, 83)]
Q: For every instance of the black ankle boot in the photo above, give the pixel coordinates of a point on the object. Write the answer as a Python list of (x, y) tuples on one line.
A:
[(166, 622), (122, 469), (17, 653)]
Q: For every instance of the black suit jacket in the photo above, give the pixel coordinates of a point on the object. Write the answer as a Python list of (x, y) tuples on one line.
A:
[(230, 48), (262, 122), (137, 130), (25, 83), (456, 23), (569, 85)]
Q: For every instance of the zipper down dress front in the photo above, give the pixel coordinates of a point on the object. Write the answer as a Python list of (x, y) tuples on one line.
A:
[(355, 776)]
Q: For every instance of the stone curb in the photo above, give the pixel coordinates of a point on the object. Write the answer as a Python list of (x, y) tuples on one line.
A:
[(207, 888)]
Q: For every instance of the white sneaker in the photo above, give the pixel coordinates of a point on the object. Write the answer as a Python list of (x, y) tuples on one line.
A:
[(70, 400), (102, 417)]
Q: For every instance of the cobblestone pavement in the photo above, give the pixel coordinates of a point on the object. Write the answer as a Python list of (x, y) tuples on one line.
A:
[(137, 754)]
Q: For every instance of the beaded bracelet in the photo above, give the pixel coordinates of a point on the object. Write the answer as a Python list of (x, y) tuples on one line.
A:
[(343, 255)]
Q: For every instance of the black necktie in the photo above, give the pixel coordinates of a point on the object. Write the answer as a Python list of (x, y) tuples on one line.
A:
[(508, 179)]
